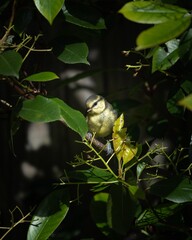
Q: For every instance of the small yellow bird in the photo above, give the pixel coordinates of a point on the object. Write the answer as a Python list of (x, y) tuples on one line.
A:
[(100, 116)]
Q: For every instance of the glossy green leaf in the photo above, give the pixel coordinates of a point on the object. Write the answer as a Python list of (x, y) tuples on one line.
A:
[(161, 33), (10, 63), (42, 77), (151, 12), (140, 168), (175, 189), (75, 53), (83, 15), (49, 214), (72, 118), (163, 59), (121, 209), (42, 109), (92, 175), (186, 102), (49, 8), (162, 212), (185, 46), (98, 208)]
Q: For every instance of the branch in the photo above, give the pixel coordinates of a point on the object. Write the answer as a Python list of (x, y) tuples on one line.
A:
[(5, 36)]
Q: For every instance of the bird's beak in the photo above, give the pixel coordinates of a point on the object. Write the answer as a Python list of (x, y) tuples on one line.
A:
[(89, 109)]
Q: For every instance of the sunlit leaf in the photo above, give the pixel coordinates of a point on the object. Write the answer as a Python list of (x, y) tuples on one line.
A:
[(151, 12), (42, 77), (49, 8), (129, 152), (161, 33), (49, 214), (122, 146), (119, 123), (42, 109), (10, 63), (186, 102)]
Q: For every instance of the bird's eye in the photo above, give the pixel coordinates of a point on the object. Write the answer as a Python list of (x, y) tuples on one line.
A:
[(94, 104)]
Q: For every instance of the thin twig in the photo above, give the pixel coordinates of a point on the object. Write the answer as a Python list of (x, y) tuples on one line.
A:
[(5, 36)]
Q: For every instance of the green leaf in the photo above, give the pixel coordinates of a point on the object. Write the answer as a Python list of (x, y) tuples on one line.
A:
[(185, 46), (186, 102), (161, 33), (72, 118), (151, 12), (172, 103), (162, 212), (98, 208), (162, 59), (42, 109), (83, 15), (121, 209), (186, 86), (75, 53), (10, 63), (175, 189), (49, 8), (49, 214), (92, 175), (42, 77)]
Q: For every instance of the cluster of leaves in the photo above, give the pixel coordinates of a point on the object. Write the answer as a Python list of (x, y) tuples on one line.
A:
[(17, 44), (118, 203), (167, 45), (117, 196)]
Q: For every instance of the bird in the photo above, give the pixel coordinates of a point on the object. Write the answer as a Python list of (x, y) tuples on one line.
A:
[(100, 116)]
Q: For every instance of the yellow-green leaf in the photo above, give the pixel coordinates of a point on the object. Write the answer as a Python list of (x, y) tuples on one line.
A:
[(151, 12), (121, 143), (119, 123), (129, 151), (186, 102)]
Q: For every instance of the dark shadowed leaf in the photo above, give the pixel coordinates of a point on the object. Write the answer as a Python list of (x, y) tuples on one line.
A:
[(10, 63), (92, 175), (83, 15), (172, 103), (98, 208), (176, 189), (162, 212), (121, 209), (74, 53)]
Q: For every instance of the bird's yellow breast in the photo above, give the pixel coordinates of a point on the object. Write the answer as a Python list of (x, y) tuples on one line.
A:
[(102, 123)]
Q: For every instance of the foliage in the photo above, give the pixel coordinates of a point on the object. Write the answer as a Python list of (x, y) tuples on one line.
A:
[(131, 190)]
